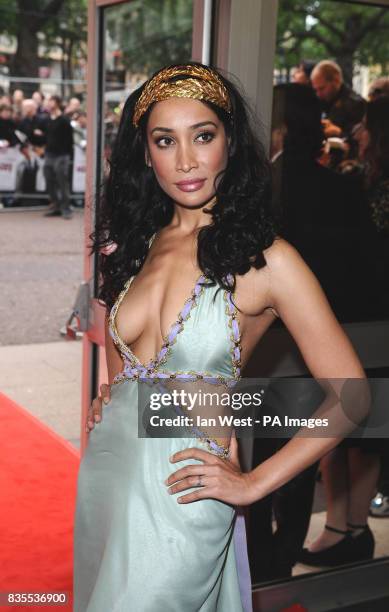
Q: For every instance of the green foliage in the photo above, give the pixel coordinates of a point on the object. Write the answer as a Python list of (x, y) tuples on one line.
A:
[(69, 28), (37, 14), (70, 22), (8, 17), (62, 22), (151, 33), (319, 29)]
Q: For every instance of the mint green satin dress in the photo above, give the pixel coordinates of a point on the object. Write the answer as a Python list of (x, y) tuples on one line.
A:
[(135, 548)]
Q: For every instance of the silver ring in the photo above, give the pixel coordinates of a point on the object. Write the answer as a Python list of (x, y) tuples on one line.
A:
[(199, 482)]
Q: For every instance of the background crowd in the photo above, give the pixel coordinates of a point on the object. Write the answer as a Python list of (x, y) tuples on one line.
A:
[(42, 128), (47, 128), (330, 156), (330, 161)]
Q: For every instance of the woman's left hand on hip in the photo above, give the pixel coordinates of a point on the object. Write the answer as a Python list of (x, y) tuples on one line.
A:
[(214, 478)]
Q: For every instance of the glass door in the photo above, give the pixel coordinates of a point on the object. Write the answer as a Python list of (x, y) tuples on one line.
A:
[(330, 190)]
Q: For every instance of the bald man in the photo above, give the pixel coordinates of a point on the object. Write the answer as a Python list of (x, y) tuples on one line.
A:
[(342, 106), (31, 124)]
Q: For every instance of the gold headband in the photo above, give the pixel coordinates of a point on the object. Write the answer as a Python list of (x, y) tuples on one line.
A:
[(202, 84)]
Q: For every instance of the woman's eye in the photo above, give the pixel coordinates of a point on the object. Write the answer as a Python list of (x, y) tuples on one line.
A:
[(161, 142), (165, 141), (205, 136)]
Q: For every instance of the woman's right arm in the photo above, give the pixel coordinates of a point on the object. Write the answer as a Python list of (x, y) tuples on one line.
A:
[(114, 366)]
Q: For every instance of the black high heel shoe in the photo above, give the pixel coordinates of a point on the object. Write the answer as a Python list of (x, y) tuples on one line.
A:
[(363, 544), (337, 554)]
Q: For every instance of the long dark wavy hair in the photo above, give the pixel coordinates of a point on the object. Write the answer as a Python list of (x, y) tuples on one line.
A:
[(377, 152), (132, 206), (298, 108)]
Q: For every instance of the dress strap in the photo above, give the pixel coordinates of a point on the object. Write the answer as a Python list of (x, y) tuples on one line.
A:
[(233, 323)]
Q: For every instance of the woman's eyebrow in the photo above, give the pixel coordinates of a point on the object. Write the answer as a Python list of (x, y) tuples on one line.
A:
[(192, 127)]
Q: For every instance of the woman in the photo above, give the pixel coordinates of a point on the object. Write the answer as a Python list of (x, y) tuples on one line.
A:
[(374, 150), (318, 205), (374, 144), (189, 176), (350, 472)]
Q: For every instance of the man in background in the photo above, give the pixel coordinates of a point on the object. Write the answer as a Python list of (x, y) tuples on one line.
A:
[(31, 124), (73, 107), (17, 100), (59, 148), (8, 137), (38, 98), (342, 108)]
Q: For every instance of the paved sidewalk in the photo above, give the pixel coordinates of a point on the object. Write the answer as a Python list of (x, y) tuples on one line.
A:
[(45, 379), (41, 267)]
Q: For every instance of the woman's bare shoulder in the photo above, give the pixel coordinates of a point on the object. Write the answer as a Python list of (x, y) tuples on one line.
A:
[(281, 254), (288, 273), (253, 287), (257, 286)]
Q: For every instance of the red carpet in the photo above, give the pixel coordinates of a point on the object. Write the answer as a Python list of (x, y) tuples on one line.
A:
[(38, 473)]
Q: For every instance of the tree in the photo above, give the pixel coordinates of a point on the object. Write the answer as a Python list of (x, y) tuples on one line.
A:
[(29, 18), (319, 29), (69, 32), (63, 22)]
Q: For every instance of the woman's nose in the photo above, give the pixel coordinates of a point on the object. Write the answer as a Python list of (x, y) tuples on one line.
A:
[(186, 159)]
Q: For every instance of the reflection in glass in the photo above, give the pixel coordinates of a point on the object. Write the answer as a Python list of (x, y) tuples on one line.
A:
[(141, 36), (334, 208), (323, 151)]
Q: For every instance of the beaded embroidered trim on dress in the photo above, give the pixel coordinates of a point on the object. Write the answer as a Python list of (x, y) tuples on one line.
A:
[(148, 369), (134, 369)]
